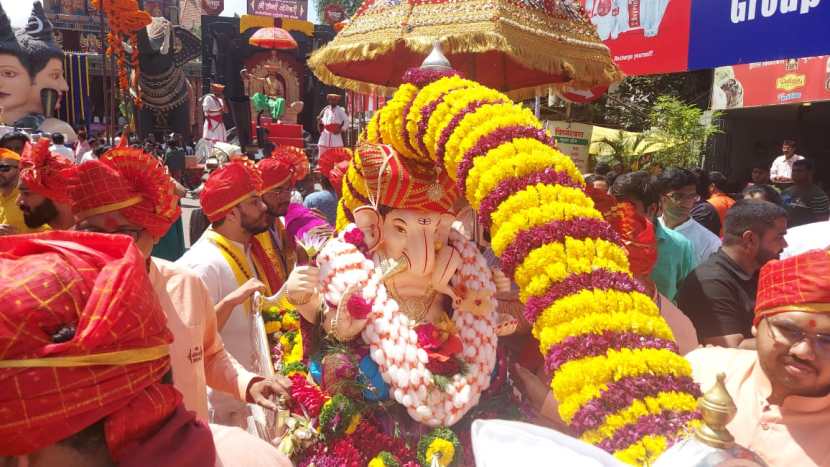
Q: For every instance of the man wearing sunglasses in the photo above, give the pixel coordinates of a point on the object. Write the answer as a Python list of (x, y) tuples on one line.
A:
[(678, 189), (782, 389)]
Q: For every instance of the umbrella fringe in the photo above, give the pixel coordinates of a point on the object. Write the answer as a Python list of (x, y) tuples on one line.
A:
[(587, 67)]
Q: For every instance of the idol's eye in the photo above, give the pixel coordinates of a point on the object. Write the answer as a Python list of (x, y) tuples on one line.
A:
[(400, 230)]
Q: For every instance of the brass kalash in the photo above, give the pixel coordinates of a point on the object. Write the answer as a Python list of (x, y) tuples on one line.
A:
[(711, 444)]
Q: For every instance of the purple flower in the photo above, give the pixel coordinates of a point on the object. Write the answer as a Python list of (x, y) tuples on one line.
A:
[(493, 140), (447, 131), (554, 231), (421, 77), (620, 394), (600, 279), (667, 423), (592, 345), (511, 185)]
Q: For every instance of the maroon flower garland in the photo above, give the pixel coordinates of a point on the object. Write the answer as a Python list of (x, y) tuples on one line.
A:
[(591, 345)]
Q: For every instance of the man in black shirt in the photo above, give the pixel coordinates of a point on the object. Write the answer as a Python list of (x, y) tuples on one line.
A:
[(719, 295)]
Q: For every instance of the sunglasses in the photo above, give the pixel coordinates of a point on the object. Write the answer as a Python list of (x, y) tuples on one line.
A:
[(7, 168)]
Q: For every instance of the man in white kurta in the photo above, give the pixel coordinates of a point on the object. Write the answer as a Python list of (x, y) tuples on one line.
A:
[(332, 120), (213, 108)]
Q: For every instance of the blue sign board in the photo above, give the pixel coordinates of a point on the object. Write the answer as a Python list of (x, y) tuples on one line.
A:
[(730, 32)]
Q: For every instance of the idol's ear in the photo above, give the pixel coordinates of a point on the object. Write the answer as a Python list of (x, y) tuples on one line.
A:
[(442, 230), (369, 221)]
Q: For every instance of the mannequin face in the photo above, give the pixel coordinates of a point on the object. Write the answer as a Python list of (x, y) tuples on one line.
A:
[(50, 77), (16, 89)]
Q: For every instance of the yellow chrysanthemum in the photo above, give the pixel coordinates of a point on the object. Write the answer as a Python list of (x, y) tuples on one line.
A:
[(442, 451), (353, 423)]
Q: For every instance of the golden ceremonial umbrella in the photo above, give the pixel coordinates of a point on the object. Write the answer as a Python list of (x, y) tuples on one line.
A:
[(518, 47)]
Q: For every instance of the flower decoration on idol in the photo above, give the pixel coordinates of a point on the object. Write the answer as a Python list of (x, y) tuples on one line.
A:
[(308, 229), (616, 375), (124, 18)]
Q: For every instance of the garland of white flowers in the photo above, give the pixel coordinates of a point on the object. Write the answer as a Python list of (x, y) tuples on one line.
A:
[(391, 335)]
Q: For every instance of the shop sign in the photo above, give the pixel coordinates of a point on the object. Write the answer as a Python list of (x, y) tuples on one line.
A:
[(772, 83), (290, 9), (213, 7), (573, 140)]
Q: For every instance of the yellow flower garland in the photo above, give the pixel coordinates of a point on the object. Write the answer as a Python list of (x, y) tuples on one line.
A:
[(578, 381), (647, 323), (651, 405), (614, 365), (595, 301), (505, 232), (444, 450), (554, 262)]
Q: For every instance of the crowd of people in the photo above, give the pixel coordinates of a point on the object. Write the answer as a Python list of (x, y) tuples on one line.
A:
[(729, 272)]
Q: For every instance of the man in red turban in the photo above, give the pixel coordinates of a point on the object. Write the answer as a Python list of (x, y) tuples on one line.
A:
[(228, 258), (84, 366), (44, 180), (83, 352), (782, 389), (140, 202)]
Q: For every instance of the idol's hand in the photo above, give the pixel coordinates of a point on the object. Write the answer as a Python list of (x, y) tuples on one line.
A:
[(501, 281), (303, 291)]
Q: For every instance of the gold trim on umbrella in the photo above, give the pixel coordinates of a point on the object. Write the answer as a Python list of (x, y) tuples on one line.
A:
[(557, 45)]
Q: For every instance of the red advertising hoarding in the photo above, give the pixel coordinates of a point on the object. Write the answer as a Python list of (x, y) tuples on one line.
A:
[(645, 36), (772, 83)]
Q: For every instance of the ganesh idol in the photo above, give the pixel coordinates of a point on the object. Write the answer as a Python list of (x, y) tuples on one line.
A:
[(408, 313), (31, 75)]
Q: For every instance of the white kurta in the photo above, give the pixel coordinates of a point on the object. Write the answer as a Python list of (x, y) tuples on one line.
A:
[(214, 128), (206, 260), (328, 139)]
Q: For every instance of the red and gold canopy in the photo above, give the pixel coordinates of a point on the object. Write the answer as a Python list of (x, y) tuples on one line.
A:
[(517, 47)]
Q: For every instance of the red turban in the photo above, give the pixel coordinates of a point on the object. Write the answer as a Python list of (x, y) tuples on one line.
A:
[(82, 338), (129, 181), (798, 283), (296, 160), (275, 172), (636, 231), (333, 165), (228, 186), (47, 174)]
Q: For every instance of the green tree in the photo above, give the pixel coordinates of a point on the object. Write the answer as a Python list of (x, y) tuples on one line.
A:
[(627, 149), (681, 130)]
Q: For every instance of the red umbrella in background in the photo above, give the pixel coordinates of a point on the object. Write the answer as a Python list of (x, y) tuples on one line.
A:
[(273, 38)]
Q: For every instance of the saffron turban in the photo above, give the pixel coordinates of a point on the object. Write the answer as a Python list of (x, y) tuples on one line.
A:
[(82, 338), (399, 183), (296, 159), (47, 174), (275, 172), (333, 164), (129, 181), (9, 155), (798, 283), (228, 186)]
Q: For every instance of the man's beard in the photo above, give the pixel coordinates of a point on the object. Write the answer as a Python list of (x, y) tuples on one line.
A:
[(43, 214), (764, 256), (255, 226)]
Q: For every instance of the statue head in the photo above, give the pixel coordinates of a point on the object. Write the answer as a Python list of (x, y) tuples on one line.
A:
[(407, 211), (30, 61)]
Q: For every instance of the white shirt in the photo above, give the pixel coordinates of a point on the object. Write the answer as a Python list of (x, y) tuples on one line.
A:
[(206, 260), (63, 151), (783, 167), (704, 242), (332, 115), (801, 239), (88, 156)]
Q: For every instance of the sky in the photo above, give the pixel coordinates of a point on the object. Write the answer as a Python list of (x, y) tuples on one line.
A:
[(18, 10)]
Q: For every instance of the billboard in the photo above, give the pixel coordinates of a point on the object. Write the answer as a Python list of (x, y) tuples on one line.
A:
[(645, 36), (291, 9), (572, 139), (664, 36), (772, 83)]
